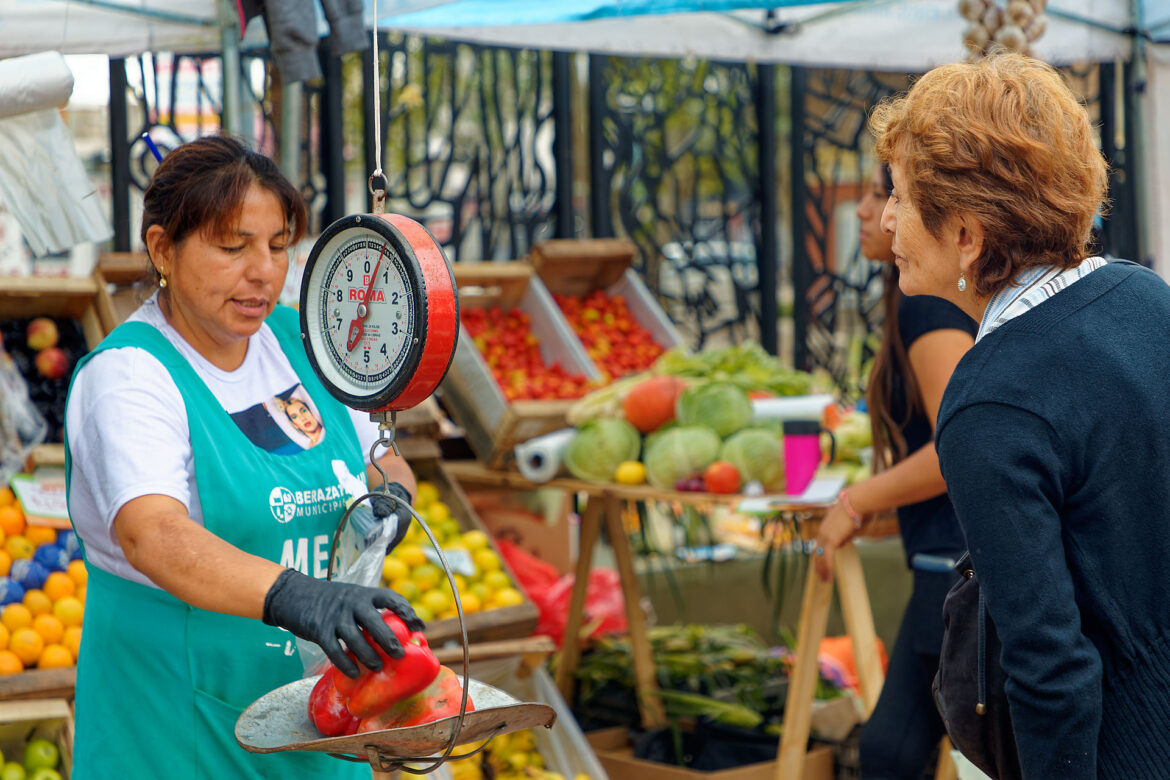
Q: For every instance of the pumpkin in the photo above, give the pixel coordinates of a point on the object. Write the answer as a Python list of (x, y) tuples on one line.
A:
[(650, 404)]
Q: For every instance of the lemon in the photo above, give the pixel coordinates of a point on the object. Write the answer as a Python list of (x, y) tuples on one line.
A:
[(447, 529), (470, 603), (426, 576), (405, 588), (394, 569), (630, 472), (507, 597), (479, 590), (426, 494), (436, 601), (486, 561), (410, 554), (475, 540), (495, 580), (424, 614), (438, 512)]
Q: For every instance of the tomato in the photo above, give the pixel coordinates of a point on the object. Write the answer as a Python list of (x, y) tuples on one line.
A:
[(721, 477)]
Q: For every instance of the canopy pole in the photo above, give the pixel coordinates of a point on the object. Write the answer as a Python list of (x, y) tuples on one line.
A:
[(230, 39), (767, 253)]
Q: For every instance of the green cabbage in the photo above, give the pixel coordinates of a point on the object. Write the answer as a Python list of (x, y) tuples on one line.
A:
[(758, 454), (853, 434), (721, 406), (678, 452), (599, 447)]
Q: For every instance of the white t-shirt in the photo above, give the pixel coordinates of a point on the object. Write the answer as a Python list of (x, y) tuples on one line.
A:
[(128, 433)]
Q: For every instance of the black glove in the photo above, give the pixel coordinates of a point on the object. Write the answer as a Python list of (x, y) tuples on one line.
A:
[(385, 506), (324, 612)]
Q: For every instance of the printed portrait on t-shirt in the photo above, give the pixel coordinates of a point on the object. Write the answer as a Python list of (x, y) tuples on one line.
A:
[(285, 424)]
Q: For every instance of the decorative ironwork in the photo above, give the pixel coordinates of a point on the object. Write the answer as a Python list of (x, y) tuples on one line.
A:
[(837, 309), (467, 144), (676, 169), (837, 292)]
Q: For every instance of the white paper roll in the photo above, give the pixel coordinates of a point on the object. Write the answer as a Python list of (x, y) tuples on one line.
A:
[(539, 459), (798, 407), (34, 82)]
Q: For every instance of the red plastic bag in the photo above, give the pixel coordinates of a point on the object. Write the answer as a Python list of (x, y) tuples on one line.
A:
[(605, 608)]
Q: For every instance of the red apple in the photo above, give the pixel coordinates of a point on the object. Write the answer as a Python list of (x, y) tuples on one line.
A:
[(41, 334), (52, 363)]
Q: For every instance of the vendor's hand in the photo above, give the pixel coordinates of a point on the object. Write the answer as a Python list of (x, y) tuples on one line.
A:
[(328, 613), (835, 530), (384, 506)]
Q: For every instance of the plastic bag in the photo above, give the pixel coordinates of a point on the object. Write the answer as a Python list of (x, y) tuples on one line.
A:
[(22, 426), (360, 554), (605, 607)]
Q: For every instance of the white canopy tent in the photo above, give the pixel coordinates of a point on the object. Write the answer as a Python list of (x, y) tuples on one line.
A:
[(892, 35)]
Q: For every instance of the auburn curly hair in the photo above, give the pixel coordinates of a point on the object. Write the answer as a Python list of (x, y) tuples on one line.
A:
[(1003, 139)]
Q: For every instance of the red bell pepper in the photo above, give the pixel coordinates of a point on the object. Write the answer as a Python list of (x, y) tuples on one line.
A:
[(441, 699), (327, 708), (399, 678)]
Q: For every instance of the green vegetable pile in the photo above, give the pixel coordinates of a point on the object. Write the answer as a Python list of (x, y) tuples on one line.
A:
[(725, 673)]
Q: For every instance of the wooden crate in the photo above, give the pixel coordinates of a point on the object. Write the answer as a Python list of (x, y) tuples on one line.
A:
[(66, 297), (491, 424), (577, 267), (125, 281), (50, 719), (489, 625)]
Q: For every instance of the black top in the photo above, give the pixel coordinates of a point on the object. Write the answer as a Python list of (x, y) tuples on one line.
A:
[(1054, 439), (928, 526)]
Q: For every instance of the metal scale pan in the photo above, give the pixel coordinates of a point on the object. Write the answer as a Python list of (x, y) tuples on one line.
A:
[(279, 721)]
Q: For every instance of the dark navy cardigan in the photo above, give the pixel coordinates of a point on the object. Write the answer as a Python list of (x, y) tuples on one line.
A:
[(1054, 440)]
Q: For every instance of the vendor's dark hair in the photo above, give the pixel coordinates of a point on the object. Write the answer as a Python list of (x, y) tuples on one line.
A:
[(200, 186), (891, 360)]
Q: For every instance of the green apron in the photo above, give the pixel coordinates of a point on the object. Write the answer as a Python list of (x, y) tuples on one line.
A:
[(160, 683)]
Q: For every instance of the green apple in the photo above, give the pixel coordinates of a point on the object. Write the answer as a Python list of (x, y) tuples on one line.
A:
[(12, 771), (40, 753), (44, 773)]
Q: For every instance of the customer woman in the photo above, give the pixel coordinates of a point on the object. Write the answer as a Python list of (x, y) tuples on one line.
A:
[(206, 544), (1054, 432), (923, 339)]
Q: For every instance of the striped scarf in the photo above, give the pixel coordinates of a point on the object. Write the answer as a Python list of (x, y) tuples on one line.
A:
[(1030, 288)]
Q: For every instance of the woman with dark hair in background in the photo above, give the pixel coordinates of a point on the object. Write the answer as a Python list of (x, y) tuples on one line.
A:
[(923, 339)]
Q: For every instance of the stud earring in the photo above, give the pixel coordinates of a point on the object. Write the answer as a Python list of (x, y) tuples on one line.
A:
[(962, 283)]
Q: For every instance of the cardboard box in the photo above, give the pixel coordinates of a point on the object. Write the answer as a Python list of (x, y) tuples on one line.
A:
[(616, 755), (50, 719)]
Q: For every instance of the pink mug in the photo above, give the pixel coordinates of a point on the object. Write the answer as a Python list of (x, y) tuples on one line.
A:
[(802, 453)]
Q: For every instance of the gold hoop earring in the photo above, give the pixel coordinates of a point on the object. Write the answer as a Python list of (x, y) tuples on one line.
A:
[(962, 282)]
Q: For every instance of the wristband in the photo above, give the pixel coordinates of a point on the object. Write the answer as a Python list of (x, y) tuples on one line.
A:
[(843, 500)]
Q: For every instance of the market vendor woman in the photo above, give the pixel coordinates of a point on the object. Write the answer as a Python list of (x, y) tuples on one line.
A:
[(206, 528)]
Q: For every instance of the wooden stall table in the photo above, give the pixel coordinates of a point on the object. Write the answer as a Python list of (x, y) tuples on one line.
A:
[(605, 505)]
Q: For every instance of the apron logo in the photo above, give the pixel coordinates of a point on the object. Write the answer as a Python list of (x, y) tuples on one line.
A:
[(282, 503)]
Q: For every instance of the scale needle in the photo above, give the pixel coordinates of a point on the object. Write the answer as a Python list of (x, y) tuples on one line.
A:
[(356, 328)]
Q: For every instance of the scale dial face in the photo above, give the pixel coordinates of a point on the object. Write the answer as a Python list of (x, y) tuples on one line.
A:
[(361, 306)]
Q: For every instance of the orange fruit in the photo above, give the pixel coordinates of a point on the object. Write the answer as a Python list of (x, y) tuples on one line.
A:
[(3, 637), (68, 610), (40, 534), (5, 563), (10, 663), (76, 571), (18, 546), (27, 644), (7, 497), (55, 656), (49, 627), (72, 641), (81, 594), (16, 616), (58, 585), (38, 602), (11, 520)]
